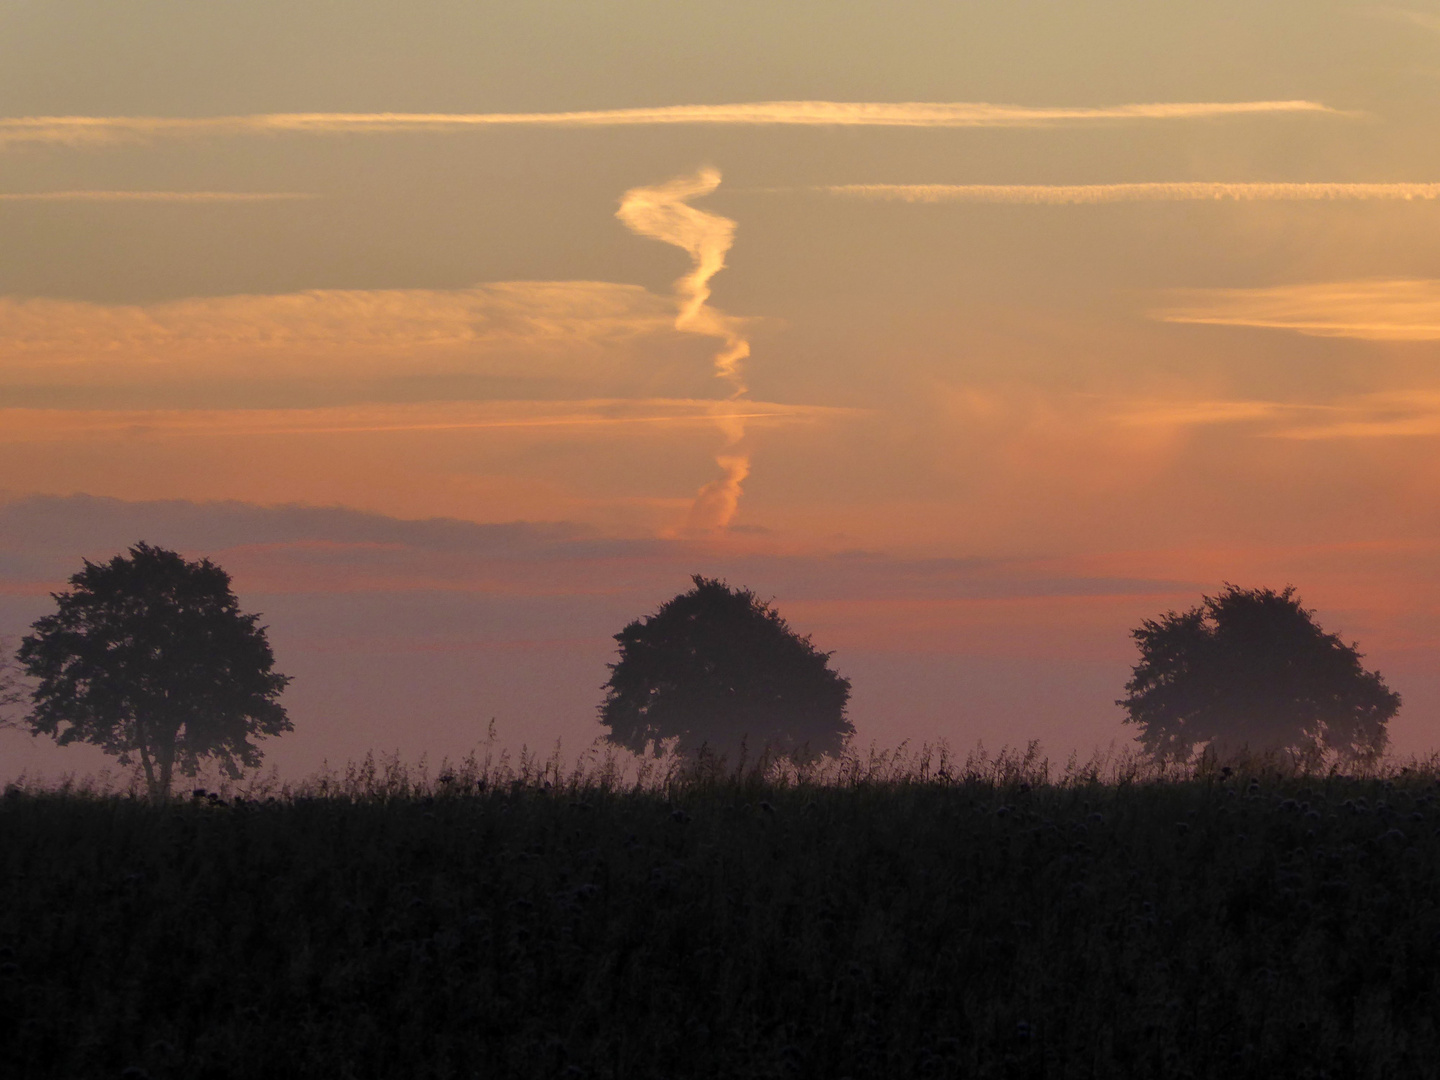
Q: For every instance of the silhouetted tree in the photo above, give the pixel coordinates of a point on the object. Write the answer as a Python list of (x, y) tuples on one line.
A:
[(716, 665), (149, 656), (12, 694), (1251, 667)]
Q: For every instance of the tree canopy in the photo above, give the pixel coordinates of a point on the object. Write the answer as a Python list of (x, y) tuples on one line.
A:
[(12, 694), (1251, 668), (715, 666), (149, 656)]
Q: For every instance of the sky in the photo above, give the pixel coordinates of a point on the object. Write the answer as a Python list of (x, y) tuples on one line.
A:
[(970, 335)]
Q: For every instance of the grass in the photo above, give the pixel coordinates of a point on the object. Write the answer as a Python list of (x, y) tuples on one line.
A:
[(895, 917)]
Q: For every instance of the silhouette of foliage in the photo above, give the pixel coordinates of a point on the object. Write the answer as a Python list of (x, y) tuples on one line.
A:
[(715, 666), (149, 656), (1251, 667), (12, 694)]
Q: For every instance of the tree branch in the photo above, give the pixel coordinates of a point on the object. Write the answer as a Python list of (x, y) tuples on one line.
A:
[(12, 690)]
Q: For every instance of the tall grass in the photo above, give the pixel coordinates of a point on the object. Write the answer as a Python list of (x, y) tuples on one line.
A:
[(905, 913)]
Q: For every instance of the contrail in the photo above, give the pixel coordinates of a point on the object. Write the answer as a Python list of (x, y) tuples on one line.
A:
[(19, 425), (663, 213), (1182, 191), (1374, 310), (80, 130)]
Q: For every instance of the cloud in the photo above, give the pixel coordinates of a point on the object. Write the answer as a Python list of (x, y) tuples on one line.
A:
[(545, 576), (1186, 191), (1373, 310), (154, 196), (1390, 414), (663, 213), (68, 425), (715, 503), (1403, 414), (90, 130), (533, 329), (1189, 413), (1423, 19), (625, 465), (106, 388), (43, 537), (1427, 424)]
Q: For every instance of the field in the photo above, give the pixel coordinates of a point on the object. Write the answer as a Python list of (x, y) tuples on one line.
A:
[(934, 920)]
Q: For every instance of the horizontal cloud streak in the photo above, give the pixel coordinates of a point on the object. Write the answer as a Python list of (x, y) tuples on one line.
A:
[(1015, 413), (153, 196), (1374, 416), (43, 535), (1187, 413), (1366, 416), (41, 425), (340, 318), (519, 329), (1382, 310), (81, 130), (1427, 424), (1182, 191)]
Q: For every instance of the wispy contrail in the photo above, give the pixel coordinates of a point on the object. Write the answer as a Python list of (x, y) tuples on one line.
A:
[(1375, 310), (1388, 414), (1182, 191), (663, 213), (78, 130), (18, 425), (152, 196)]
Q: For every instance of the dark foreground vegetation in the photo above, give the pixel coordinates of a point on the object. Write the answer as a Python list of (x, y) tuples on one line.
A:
[(878, 925)]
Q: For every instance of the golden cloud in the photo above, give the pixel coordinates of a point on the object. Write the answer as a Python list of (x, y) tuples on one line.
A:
[(1188, 413), (1008, 411), (1365, 416), (1407, 413), (83, 130), (44, 425), (1181, 191), (663, 212), (1376, 310), (530, 329)]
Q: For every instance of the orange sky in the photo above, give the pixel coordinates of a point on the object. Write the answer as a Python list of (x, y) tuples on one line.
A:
[(1020, 323)]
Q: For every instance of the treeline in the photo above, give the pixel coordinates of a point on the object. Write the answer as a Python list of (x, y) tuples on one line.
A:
[(149, 657)]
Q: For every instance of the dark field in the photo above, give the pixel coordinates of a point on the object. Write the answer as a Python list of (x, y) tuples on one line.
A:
[(899, 927)]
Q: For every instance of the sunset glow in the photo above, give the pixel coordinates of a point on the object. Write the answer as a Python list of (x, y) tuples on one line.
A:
[(970, 339)]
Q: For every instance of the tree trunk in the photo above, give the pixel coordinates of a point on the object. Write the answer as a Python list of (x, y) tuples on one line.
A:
[(149, 770), (151, 756), (167, 761)]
